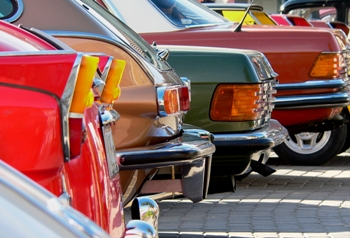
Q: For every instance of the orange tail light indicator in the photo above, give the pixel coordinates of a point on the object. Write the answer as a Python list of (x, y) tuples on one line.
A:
[(241, 102), (83, 97), (173, 100), (111, 90), (328, 66)]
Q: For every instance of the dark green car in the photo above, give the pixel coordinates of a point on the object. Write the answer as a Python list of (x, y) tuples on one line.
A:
[(232, 97)]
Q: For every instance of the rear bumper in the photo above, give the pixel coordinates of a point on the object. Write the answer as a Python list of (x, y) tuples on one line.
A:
[(339, 98), (192, 152), (235, 151)]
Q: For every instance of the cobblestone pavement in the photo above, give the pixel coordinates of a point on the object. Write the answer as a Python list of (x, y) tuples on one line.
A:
[(295, 201)]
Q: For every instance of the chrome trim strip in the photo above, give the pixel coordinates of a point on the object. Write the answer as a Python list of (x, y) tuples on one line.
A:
[(36, 53), (339, 99), (75, 115), (18, 13), (113, 9), (66, 101), (273, 130), (331, 83), (108, 66)]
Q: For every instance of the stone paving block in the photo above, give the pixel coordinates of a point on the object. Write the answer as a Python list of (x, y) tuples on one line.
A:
[(169, 235), (191, 234), (312, 200)]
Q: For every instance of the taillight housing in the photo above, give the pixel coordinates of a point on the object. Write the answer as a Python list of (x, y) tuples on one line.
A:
[(173, 100), (83, 98), (329, 65), (242, 102)]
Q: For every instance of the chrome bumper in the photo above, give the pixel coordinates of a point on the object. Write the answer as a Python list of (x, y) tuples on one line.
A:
[(265, 138), (339, 98), (236, 152), (192, 152)]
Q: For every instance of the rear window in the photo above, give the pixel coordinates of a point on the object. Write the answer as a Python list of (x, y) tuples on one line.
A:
[(316, 13)]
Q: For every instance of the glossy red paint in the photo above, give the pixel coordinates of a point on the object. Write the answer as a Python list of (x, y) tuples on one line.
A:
[(93, 192), (33, 83)]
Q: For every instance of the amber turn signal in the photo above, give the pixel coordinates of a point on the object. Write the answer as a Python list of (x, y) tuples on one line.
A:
[(83, 95), (112, 91), (240, 102), (171, 101), (328, 66)]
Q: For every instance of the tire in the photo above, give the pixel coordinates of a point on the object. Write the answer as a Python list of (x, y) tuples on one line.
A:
[(347, 141), (310, 148)]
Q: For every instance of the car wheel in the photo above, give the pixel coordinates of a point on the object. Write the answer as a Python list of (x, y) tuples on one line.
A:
[(347, 141), (312, 148)]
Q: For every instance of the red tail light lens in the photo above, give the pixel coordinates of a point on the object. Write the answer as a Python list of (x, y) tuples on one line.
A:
[(184, 96)]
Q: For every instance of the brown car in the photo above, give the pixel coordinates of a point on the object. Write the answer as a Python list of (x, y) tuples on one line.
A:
[(150, 133)]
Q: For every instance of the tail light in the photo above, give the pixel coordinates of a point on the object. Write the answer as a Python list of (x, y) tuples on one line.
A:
[(329, 65), (242, 102), (173, 100), (83, 97), (111, 90)]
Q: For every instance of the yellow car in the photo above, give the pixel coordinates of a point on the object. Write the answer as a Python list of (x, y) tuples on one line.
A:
[(235, 12)]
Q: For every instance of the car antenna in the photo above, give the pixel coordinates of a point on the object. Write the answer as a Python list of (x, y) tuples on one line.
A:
[(239, 27)]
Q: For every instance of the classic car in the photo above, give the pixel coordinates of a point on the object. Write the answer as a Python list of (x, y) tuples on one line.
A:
[(29, 210), (150, 133), (327, 10), (244, 133), (309, 101), (56, 129), (159, 137)]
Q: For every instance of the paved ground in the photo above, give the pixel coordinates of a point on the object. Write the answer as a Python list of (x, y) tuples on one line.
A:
[(296, 201)]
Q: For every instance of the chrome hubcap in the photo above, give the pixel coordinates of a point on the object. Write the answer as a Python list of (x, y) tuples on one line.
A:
[(307, 142)]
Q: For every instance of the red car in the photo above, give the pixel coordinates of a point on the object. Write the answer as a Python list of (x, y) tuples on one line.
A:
[(55, 128)]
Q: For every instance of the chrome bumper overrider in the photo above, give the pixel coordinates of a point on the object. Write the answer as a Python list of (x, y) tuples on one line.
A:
[(192, 152)]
